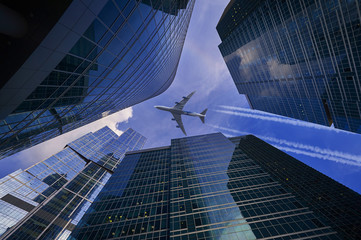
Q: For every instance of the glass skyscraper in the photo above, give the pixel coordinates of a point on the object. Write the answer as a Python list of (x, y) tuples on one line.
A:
[(47, 200), (213, 187), (296, 58), (68, 63)]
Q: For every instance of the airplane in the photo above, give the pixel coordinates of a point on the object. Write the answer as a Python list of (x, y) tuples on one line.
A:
[(177, 111)]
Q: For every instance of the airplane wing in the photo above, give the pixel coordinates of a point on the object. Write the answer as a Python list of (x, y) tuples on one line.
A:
[(178, 119), (181, 104)]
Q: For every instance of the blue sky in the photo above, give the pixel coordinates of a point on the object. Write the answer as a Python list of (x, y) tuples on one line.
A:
[(333, 152)]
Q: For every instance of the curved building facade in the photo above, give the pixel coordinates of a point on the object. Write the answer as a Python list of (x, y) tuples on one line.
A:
[(95, 58), (299, 59)]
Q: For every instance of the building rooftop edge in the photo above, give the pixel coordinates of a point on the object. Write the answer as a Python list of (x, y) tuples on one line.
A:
[(147, 150), (167, 147), (225, 11), (249, 101)]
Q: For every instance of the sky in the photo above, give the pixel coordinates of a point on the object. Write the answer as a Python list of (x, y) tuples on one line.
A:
[(333, 152)]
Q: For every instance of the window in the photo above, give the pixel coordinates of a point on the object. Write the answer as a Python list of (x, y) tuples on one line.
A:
[(198, 221), (183, 224)]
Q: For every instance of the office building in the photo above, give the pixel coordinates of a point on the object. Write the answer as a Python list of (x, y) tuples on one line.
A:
[(47, 200), (295, 58), (69, 63), (213, 187)]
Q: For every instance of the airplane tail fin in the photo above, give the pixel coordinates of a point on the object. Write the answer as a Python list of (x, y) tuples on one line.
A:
[(204, 114)]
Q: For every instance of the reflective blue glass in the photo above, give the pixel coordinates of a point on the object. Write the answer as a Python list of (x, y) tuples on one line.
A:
[(47, 200), (299, 59), (211, 187), (128, 53)]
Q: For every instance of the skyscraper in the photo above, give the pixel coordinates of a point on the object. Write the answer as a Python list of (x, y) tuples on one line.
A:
[(73, 62), (213, 187), (296, 58), (47, 200)]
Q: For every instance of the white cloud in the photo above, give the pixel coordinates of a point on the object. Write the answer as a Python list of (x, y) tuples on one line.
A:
[(28, 157), (112, 120), (109, 120)]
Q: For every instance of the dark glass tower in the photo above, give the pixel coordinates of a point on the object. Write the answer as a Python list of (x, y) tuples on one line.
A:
[(83, 60), (47, 200), (212, 187), (296, 58)]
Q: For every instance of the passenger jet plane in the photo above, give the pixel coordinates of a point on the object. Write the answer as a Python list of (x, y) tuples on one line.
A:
[(177, 111)]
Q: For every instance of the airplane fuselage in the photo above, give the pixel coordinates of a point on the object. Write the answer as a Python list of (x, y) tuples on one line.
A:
[(177, 111)]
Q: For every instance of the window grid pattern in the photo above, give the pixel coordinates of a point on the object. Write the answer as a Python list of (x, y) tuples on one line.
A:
[(134, 204), (202, 187), (295, 58), (129, 53), (337, 205), (48, 199), (219, 192)]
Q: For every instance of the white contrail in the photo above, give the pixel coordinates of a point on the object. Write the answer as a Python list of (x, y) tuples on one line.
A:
[(317, 155), (303, 149), (254, 111), (228, 129), (281, 120), (325, 152)]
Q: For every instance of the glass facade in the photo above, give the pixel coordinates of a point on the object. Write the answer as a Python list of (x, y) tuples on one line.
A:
[(135, 202), (47, 200), (117, 54), (337, 205), (212, 187), (296, 58)]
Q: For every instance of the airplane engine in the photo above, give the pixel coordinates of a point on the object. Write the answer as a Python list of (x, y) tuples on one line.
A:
[(177, 111)]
